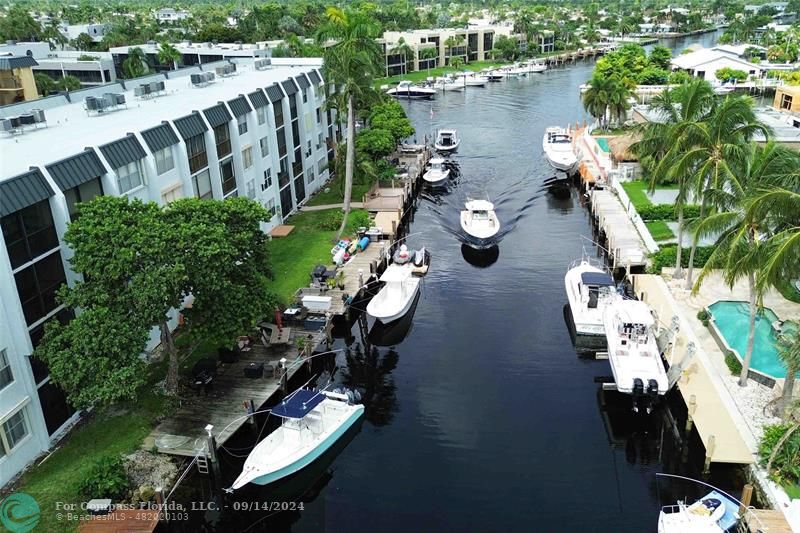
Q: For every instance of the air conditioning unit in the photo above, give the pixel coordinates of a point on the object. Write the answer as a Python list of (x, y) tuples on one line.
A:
[(27, 119), (161, 86), (262, 64), (140, 90), (153, 87), (91, 103), (119, 98), (38, 115)]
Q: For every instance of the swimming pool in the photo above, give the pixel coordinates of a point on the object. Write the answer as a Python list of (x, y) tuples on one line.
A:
[(731, 320), (603, 143)]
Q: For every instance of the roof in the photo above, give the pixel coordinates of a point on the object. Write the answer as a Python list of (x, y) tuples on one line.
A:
[(190, 125), (707, 55), (258, 98), (76, 170), (298, 404), (12, 62), (600, 279), (274, 93), (123, 151), (289, 87), (239, 106), (217, 115), (302, 81), (479, 205), (315, 78), (159, 137), (621, 147), (22, 191)]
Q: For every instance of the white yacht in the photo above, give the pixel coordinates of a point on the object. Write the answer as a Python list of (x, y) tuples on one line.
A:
[(312, 421), (436, 173), (714, 513), (480, 223), (400, 286), (633, 353), (589, 290), (494, 75), (557, 146), (447, 141), (471, 79), (406, 89), (447, 84), (536, 67)]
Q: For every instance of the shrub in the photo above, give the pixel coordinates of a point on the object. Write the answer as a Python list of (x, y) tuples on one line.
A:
[(705, 322), (330, 221), (702, 315), (665, 257), (786, 466), (731, 361), (105, 479), (360, 219), (666, 212)]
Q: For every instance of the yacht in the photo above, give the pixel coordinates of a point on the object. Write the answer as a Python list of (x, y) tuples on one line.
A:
[(471, 79), (312, 422), (480, 223), (447, 141), (494, 75), (436, 174), (633, 353), (448, 85), (557, 146), (536, 67), (589, 290), (400, 286), (406, 89), (714, 513)]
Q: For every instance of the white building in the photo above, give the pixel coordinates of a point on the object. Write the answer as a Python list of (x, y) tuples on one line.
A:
[(193, 53), (263, 134), (705, 63), (95, 31), (91, 68), (168, 14)]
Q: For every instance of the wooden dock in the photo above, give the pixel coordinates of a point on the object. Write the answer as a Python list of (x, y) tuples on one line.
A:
[(765, 520), (624, 243)]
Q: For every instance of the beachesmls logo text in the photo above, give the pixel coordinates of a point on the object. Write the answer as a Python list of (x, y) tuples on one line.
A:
[(19, 513)]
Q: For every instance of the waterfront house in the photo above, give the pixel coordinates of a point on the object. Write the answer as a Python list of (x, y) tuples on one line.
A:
[(705, 63)]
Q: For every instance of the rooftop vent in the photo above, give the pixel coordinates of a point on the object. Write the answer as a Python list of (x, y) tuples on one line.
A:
[(104, 104), (202, 79), (226, 70), (16, 125), (262, 64), (150, 90)]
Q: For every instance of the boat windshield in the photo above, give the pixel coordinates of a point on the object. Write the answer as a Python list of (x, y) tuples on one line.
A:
[(559, 138), (480, 215)]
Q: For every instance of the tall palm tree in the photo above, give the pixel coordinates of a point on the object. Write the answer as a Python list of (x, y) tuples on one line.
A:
[(136, 63), (168, 54), (403, 49), (717, 144), (664, 142), (352, 60), (789, 353), (606, 99), (740, 250)]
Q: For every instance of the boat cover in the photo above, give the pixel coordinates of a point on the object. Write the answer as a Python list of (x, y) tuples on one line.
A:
[(479, 205), (598, 279), (298, 404)]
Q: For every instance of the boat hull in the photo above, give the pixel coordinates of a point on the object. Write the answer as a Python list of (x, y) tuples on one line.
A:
[(314, 454), (412, 95), (447, 149), (389, 318)]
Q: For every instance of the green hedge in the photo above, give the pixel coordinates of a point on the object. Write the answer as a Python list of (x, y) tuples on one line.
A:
[(733, 363), (665, 257), (666, 212)]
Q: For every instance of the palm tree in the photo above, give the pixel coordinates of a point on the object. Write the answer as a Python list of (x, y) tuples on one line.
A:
[(781, 204), (168, 54), (351, 63), (740, 251), (606, 99), (68, 83), (664, 142), (789, 353), (44, 83), (136, 63), (403, 49), (427, 54)]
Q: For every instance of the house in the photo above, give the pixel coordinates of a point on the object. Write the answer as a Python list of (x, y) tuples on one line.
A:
[(95, 31), (168, 14), (787, 98), (704, 63), (16, 80)]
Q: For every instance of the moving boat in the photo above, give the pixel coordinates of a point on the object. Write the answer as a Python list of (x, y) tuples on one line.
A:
[(406, 89), (633, 353), (480, 222), (312, 421), (447, 141), (557, 146), (400, 286), (714, 513), (436, 174), (589, 290)]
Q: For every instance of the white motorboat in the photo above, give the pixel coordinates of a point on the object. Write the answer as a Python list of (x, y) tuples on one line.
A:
[(471, 79), (590, 290), (436, 174), (312, 421), (633, 352), (447, 84), (714, 513), (406, 89), (400, 286), (480, 223), (494, 75), (536, 67), (557, 146), (519, 70), (447, 141), (722, 90)]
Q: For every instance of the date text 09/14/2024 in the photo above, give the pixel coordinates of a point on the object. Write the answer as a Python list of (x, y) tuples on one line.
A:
[(269, 506)]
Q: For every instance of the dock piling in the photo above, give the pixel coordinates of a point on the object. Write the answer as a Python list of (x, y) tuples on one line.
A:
[(160, 502), (211, 444), (691, 409), (747, 495), (709, 452)]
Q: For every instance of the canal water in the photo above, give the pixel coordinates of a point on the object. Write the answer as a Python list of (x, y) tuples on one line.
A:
[(480, 416)]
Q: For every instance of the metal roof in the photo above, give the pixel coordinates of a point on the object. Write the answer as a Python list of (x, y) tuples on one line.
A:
[(123, 151), (159, 137), (258, 98), (217, 115), (289, 87), (239, 106), (190, 125), (302, 81), (22, 191), (8, 63), (315, 78), (76, 170), (274, 93)]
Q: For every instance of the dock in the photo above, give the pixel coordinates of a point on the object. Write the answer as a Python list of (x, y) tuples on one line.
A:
[(770, 520), (564, 58), (623, 241)]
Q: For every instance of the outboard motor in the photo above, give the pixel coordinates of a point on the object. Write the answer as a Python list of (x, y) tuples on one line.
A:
[(652, 394), (638, 393)]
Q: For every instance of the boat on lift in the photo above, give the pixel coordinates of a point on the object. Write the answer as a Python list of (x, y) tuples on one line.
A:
[(312, 422), (437, 173), (590, 289), (557, 146), (633, 353), (480, 223), (400, 286), (447, 141), (406, 89)]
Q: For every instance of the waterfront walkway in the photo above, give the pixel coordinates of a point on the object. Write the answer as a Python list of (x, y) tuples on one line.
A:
[(625, 245), (353, 205)]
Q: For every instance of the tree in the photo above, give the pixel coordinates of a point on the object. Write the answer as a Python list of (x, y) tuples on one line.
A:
[(403, 49), (728, 74), (68, 83), (505, 47), (351, 63), (780, 204), (83, 42), (375, 142), (18, 25), (391, 116), (168, 54), (44, 84), (136, 63), (53, 35), (789, 353), (606, 99), (661, 57)]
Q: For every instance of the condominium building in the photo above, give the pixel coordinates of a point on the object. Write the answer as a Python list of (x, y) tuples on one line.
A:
[(192, 53), (90, 68), (256, 131)]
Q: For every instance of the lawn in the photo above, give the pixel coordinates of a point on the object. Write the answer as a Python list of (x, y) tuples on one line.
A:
[(637, 192), (335, 195), (422, 75), (310, 244), (659, 230)]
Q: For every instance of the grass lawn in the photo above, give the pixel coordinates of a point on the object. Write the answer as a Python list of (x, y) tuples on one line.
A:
[(335, 195), (637, 191), (659, 230), (422, 75), (792, 490), (788, 290), (308, 245)]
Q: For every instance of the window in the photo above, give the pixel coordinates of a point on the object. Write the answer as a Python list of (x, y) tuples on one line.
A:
[(322, 164), (250, 187), (261, 115), (202, 185), (228, 178), (264, 142), (29, 233), (6, 376), (14, 430), (308, 148), (310, 177), (267, 183), (164, 160), (281, 142), (196, 150), (37, 286), (319, 116), (171, 194), (270, 208), (129, 177), (247, 157), (319, 140), (786, 101), (278, 108), (222, 136), (305, 96), (82, 193), (241, 122)]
